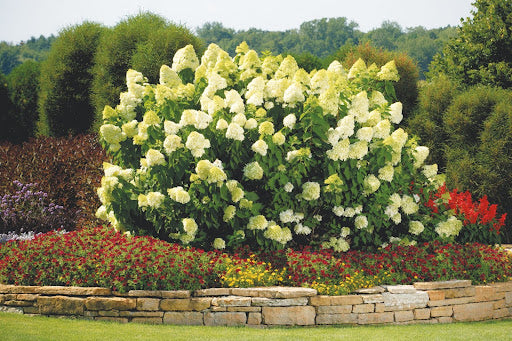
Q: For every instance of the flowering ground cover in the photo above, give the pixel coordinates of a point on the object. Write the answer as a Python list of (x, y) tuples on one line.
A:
[(103, 257)]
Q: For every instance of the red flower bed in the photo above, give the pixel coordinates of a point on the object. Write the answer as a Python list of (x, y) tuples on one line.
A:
[(102, 257)]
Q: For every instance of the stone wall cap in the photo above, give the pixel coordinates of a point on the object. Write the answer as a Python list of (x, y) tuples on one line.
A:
[(74, 291), (442, 284), (400, 289), (372, 290), (274, 292)]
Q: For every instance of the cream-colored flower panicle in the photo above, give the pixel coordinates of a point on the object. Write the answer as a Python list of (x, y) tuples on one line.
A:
[(185, 58)]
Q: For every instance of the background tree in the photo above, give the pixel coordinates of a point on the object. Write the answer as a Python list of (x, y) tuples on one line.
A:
[(482, 51), (143, 42), (23, 88), (6, 107), (66, 78)]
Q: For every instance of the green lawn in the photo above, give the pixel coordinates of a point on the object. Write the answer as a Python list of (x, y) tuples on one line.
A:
[(20, 327)]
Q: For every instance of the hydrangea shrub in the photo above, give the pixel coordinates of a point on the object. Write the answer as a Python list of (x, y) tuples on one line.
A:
[(255, 151)]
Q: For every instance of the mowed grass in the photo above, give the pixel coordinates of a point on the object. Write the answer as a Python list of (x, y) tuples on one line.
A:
[(22, 327)]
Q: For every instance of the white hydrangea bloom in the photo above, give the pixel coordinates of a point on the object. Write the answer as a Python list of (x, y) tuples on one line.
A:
[(388, 72), (345, 232), (197, 143), (320, 82), (288, 187), (293, 94), (310, 191), (287, 68), (266, 128), (346, 126), (178, 194), (235, 132), (277, 233), (185, 58), (409, 205), (258, 222), (255, 91), (365, 134), (169, 77), (386, 173), (371, 184), (361, 222), (189, 226), (340, 151), (356, 69), (377, 99), (154, 158), (395, 112), (222, 124), (420, 154), (278, 138), (359, 107), (234, 101), (349, 212), (382, 129), (287, 216), (251, 124), (260, 147), (449, 228), (219, 243), (430, 171), (172, 143), (253, 171), (229, 213), (358, 150), (416, 227), (289, 121), (338, 210), (171, 128), (302, 229)]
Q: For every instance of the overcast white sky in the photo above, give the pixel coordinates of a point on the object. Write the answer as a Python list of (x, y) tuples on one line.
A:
[(21, 19)]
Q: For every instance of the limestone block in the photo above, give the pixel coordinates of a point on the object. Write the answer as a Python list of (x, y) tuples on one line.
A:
[(484, 293), (508, 299), (110, 303), (441, 311), (73, 291), (175, 293), (400, 289), (452, 301), (30, 310), (459, 292), (60, 305), (148, 304), (254, 318), (422, 314), (473, 311), (502, 287), (279, 302), (14, 310), (445, 319), (301, 315), (214, 292), (145, 293), (191, 318), (334, 309), (406, 301), (501, 313), (185, 304), (363, 308), (212, 308), (274, 292), (499, 304), (225, 319), (336, 318), (372, 290), (16, 303), (404, 316), (2, 298), (377, 298), (127, 313), (27, 297), (442, 285), (18, 289), (147, 320), (112, 319), (436, 295), (371, 318), (110, 313), (231, 301), (244, 309), (335, 300)]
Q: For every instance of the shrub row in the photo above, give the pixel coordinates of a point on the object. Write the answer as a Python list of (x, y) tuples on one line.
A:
[(102, 257)]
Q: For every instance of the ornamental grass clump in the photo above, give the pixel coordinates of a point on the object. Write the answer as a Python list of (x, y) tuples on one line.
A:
[(225, 152)]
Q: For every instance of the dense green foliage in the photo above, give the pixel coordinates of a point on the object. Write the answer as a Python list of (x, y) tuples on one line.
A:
[(481, 53), (66, 78), (145, 41), (67, 169), (23, 89), (434, 98)]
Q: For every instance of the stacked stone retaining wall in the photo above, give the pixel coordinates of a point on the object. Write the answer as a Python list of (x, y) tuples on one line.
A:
[(423, 302)]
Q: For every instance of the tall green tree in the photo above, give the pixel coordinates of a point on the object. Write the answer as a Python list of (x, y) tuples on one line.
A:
[(6, 106), (482, 51), (24, 87), (143, 42), (66, 79)]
